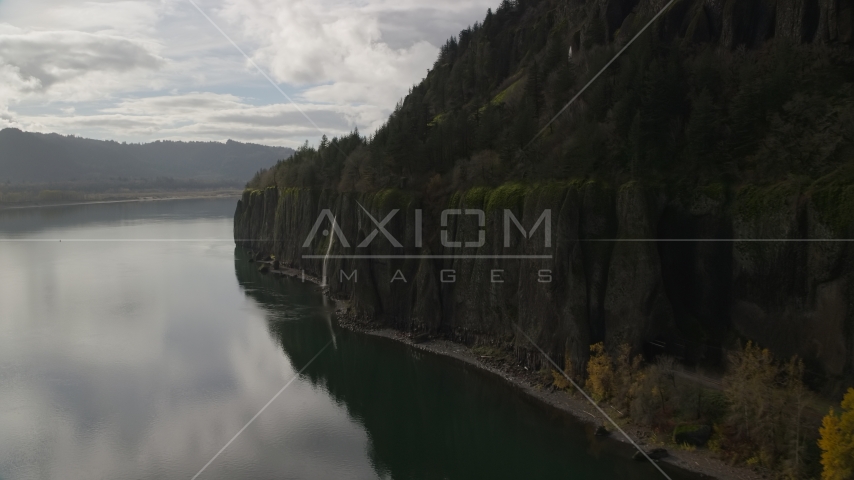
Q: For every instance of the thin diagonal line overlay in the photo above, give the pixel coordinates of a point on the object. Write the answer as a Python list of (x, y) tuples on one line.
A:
[(432, 257), (656, 240), (274, 84), (296, 375), (580, 390), (600, 72)]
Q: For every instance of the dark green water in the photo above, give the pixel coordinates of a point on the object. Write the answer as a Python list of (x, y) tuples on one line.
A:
[(140, 344)]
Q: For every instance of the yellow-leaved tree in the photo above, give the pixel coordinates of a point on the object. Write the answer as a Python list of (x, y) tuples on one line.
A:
[(837, 441), (600, 373)]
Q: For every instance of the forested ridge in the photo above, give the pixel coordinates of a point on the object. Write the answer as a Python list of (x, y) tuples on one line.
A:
[(74, 162), (713, 92), (726, 119)]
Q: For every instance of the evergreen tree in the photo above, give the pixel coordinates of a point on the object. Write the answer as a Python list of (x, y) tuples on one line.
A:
[(534, 90), (702, 129)]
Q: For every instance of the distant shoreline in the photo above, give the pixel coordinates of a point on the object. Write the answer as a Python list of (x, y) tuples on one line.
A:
[(148, 197)]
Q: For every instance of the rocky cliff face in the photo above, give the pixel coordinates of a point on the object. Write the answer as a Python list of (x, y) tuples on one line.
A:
[(734, 23), (750, 22), (768, 285)]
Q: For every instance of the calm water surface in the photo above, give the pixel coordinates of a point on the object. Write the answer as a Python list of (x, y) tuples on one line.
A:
[(127, 358)]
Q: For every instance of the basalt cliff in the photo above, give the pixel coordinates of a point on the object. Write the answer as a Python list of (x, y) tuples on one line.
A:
[(699, 190), (692, 298)]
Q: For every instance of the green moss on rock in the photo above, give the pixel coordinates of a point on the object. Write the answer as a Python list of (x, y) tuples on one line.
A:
[(835, 206), (455, 200), (389, 199), (754, 202), (509, 195), (474, 198)]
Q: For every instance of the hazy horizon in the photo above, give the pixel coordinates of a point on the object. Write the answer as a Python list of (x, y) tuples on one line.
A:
[(38, 158), (146, 70)]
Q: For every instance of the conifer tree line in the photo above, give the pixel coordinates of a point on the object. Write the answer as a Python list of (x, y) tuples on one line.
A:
[(675, 105)]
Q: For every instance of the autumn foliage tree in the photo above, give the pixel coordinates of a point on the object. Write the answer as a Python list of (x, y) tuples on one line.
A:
[(766, 403), (837, 441), (758, 417), (626, 376), (613, 377), (600, 373)]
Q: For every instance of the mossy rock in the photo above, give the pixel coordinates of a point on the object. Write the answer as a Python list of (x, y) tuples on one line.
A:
[(502, 96), (715, 191), (835, 206), (691, 434), (292, 192), (454, 202), (552, 192), (437, 120), (759, 202), (391, 198), (475, 197), (509, 195)]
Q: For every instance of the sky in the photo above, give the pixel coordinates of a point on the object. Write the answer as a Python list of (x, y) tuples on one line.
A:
[(145, 70)]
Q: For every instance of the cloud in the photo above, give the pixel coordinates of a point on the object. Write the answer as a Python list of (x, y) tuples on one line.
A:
[(205, 116), (35, 61), (433, 22), (164, 403), (139, 70), (125, 17), (190, 103), (339, 50), (7, 119), (375, 82)]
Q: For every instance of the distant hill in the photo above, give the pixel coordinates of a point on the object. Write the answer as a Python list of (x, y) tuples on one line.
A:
[(27, 157)]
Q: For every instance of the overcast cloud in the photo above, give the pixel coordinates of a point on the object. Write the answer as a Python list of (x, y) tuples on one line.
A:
[(156, 69)]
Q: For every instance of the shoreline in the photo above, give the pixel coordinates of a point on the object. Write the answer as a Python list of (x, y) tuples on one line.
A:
[(700, 461), (152, 197)]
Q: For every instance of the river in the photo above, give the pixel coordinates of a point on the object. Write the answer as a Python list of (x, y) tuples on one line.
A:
[(136, 341)]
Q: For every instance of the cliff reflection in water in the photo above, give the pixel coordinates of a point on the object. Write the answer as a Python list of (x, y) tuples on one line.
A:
[(428, 416)]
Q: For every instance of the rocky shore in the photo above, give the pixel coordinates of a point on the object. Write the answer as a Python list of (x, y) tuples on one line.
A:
[(700, 461)]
